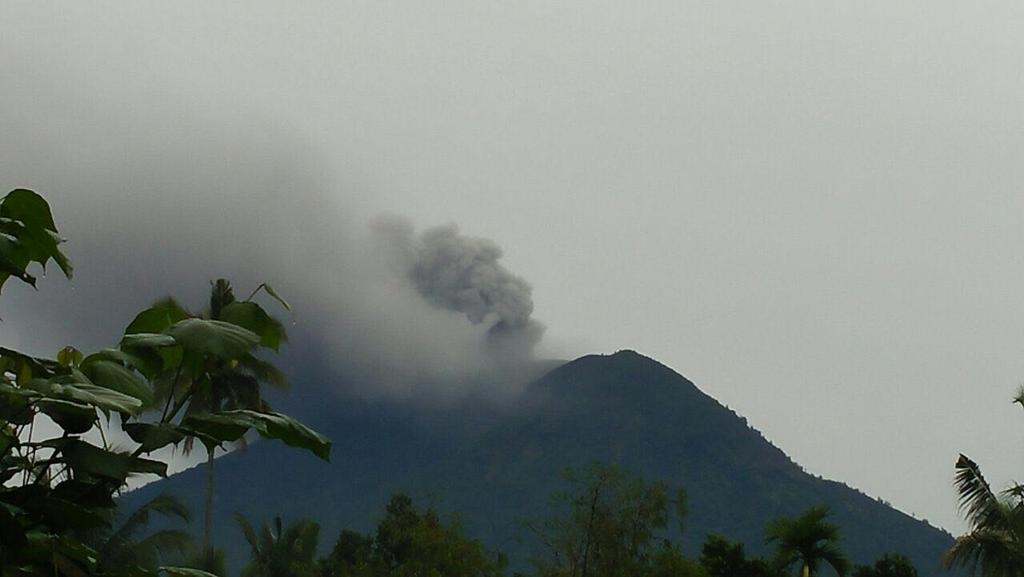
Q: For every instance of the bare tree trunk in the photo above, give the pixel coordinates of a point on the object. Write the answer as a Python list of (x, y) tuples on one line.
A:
[(208, 512), (806, 572), (590, 527)]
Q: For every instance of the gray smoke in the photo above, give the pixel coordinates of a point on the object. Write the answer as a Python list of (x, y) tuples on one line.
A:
[(199, 198), (162, 181), (464, 274)]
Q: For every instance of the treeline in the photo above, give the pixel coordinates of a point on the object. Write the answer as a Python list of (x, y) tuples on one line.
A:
[(75, 428), (607, 523)]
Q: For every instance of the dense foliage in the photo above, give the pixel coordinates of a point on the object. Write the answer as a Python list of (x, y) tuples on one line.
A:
[(889, 565), (808, 541), (622, 408), (607, 525), (723, 558), (278, 551), (178, 377), (57, 492), (410, 543)]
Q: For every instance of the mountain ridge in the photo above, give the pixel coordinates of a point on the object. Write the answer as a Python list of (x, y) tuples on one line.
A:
[(623, 408)]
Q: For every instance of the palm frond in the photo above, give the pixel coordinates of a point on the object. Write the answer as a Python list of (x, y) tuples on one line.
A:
[(808, 539), (302, 538), (209, 559), (831, 554), (162, 546), (248, 532), (977, 502), (124, 536), (263, 371), (986, 552)]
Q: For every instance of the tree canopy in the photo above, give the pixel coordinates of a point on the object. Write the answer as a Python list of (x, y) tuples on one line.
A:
[(59, 489), (410, 543)]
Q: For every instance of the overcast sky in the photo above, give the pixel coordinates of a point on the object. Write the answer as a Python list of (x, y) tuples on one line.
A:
[(811, 209)]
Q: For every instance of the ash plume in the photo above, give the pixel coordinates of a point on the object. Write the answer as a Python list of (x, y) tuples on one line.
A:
[(160, 199), (463, 274), (429, 318)]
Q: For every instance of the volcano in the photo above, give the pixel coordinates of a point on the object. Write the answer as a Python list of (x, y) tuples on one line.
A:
[(497, 466)]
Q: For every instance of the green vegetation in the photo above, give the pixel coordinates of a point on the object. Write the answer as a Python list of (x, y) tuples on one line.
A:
[(890, 565), (128, 544), (409, 543), (232, 379), (723, 558), (201, 375), (808, 541), (994, 546), (281, 552), (606, 526), (178, 377)]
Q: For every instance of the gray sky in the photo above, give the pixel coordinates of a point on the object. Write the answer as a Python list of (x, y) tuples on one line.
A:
[(811, 209)]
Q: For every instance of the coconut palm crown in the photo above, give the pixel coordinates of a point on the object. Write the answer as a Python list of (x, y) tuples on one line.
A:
[(994, 545), (808, 540)]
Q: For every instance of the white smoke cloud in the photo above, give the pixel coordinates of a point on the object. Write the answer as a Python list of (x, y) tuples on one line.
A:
[(427, 318), (159, 198)]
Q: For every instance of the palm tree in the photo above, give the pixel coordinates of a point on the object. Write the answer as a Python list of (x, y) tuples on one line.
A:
[(234, 385), (209, 559), (994, 547), (809, 540), (280, 552), (127, 546)]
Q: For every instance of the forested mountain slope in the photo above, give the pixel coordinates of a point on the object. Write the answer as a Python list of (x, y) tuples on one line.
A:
[(498, 466)]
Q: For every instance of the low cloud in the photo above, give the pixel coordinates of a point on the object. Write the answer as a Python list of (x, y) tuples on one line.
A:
[(426, 316)]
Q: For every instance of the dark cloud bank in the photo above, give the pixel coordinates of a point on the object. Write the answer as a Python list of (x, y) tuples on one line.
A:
[(154, 207)]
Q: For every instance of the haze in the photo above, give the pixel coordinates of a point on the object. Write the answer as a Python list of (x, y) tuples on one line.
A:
[(811, 209)]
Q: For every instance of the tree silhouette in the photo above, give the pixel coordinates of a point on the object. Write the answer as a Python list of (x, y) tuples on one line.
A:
[(808, 540), (127, 545), (280, 552), (994, 546)]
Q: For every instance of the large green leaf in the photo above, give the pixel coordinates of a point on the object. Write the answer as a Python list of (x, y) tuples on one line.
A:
[(85, 493), (89, 459), (88, 394), (12, 535), (37, 367), (28, 207), (216, 429), (147, 362), (15, 404), (116, 377), (185, 572), (74, 417), (37, 234), (13, 260), (217, 338), (152, 436), (251, 316), (157, 318), (64, 514), (7, 441), (152, 352), (148, 340), (45, 552), (231, 425)]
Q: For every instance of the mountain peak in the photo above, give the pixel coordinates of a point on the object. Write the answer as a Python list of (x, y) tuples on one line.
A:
[(623, 408), (625, 374)]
